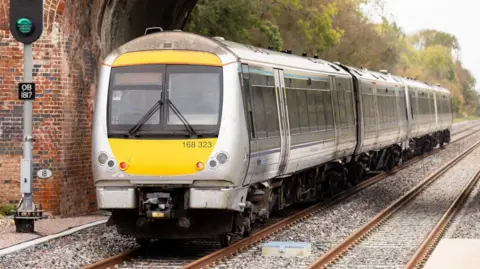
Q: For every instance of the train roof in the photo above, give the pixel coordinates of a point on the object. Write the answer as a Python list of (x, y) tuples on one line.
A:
[(228, 51), (424, 85), (252, 54), (365, 74)]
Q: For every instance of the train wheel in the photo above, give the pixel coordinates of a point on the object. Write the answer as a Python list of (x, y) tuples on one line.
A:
[(225, 240)]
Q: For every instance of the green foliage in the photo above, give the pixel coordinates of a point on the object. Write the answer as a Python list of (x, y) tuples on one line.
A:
[(338, 30), (427, 38), (300, 25), (437, 61), (5, 210), (230, 19)]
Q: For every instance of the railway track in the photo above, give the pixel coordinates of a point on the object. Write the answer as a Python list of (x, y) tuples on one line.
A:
[(386, 238), (201, 254), (464, 132)]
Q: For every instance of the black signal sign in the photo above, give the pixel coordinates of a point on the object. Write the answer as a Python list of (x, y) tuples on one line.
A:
[(26, 91)]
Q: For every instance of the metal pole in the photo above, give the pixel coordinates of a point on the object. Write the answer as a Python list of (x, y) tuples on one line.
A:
[(27, 134), (26, 212)]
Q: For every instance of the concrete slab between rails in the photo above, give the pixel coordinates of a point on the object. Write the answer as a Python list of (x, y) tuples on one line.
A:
[(25, 240), (455, 253), (286, 249)]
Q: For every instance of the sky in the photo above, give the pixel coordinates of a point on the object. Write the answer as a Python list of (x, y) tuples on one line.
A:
[(457, 17)]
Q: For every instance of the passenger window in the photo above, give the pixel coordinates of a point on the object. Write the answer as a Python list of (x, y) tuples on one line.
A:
[(312, 111), (327, 101), (320, 110), (271, 111), (293, 111), (341, 107), (303, 111), (259, 111)]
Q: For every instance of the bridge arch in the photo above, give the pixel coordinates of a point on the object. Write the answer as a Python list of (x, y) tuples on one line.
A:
[(77, 33)]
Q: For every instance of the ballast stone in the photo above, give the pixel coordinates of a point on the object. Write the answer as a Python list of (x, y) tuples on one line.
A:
[(286, 249)]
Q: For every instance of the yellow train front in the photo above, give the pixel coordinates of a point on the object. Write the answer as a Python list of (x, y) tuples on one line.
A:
[(169, 138)]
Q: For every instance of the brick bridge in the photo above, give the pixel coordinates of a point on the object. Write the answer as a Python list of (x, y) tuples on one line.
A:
[(76, 34)]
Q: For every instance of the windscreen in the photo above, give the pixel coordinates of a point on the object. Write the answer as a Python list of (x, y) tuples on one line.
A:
[(188, 95)]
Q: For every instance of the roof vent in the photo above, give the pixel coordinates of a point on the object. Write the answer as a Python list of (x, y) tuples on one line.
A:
[(438, 85), (270, 47), (315, 56), (152, 30), (337, 63), (177, 30), (383, 71), (304, 54), (219, 38)]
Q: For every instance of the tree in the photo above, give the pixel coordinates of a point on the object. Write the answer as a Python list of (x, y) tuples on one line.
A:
[(338, 30)]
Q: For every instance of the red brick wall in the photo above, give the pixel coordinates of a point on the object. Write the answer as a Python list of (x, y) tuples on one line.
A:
[(65, 90)]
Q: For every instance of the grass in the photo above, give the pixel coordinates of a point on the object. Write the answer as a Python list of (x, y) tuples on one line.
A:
[(468, 118), (5, 209)]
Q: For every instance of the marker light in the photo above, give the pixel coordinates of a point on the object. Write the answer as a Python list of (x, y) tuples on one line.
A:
[(123, 165), (111, 163), (200, 166), (102, 158)]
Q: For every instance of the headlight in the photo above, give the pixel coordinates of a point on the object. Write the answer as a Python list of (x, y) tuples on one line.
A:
[(102, 158), (222, 158)]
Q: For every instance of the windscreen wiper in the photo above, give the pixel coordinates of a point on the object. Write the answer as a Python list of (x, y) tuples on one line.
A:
[(187, 125), (145, 118)]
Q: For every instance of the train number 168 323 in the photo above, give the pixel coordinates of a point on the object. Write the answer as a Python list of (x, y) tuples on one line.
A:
[(197, 144)]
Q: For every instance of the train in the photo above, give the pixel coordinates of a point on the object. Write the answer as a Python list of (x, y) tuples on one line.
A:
[(200, 137)]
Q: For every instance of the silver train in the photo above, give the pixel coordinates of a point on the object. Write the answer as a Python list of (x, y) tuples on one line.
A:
[(197, 137)]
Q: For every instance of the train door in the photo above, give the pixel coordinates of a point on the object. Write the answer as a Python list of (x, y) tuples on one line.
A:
[(414, 111), (283, 117), (408, 111), (435, 111), (376, 113), (247, 102), (336, 120)]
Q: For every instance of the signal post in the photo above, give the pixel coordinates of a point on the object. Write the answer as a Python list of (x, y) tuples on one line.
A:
[(26, 26)]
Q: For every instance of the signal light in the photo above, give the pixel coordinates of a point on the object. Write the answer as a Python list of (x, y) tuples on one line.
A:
[(200, 166), (123, 165), (26, 20)]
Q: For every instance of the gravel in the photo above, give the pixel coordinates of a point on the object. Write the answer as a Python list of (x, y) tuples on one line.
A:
[(465, 222), (72, 251), (331, 226), (394, 243), (323, 231)]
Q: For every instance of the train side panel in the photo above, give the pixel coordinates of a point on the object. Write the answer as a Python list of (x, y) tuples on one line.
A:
[(383, 110)]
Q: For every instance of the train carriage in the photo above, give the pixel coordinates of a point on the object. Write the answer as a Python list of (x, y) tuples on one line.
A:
[(189, 129), (382, 125), (428, 108), (302, 111)]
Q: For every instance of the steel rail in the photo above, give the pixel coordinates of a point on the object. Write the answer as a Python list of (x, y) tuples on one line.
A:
[(426, 248), (338, 251), (237, 247), (114, 260)]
